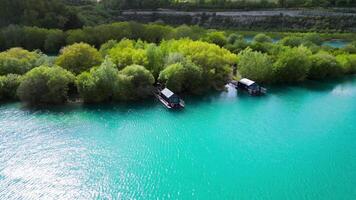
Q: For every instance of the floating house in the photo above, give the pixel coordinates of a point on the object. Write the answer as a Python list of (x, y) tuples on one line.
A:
[(250, 86), (169, 99)]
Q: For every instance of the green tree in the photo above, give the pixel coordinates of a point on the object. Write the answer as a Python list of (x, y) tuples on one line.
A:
[(234, 37), (17, 61), (125, 53), (262, 38), (256, 66), (324, 65), (182, 77), (216, 37), (347, 62), (314, 38), (8, 86), (79, 57), (155, 59), (55, 41), (99, 84), (45, 85), (293, 64), (292, 41), (216, 62), (135, 82)]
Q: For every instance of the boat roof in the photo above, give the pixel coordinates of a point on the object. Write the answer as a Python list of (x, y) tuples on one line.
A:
[(247, 82), (166, 92)]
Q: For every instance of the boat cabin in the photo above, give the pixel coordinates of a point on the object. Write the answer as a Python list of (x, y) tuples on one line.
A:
[(169, 96), (169, 99), (251, 87)]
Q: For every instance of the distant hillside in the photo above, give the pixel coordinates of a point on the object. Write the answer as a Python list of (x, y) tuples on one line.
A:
[(275, 19)]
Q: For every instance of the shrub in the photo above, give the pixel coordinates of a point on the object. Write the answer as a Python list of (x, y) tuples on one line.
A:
[(78, 58), (216, 37), (99, 84), (293, 64), (256, 66), (17, 61), (262, 38), (8, 86), (135, 82), (234, 37), (55, 41), (314, 38), (125, 53), (215, 62), (182, 77), (292, 41), (45, 85), (347, 62), (155, 59), (324, 65)]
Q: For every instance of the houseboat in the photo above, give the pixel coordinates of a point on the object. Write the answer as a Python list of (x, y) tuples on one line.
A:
[(169, 99), (250, 86)]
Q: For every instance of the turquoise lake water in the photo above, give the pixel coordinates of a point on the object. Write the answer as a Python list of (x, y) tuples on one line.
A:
[(298, 142)]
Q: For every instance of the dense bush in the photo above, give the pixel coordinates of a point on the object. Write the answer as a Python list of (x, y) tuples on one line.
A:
[(262, 38), (292, 64), (135, 82), (292, 41), (324, 65), (347, 62), (256, 66), (182, 77), (100, 84), (215, 62), (18, 61), (216, 37), (128, 52), (79, 57), (45, 85), (8, 86)]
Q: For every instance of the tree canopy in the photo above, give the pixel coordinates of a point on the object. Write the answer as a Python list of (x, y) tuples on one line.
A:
[(45, 85), (79, 57)]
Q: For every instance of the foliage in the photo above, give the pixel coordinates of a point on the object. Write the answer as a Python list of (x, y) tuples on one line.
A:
[(216, 37), (99, 84), (215, 62), (55, 40), (293, 64), (125, 53), (8, 86), (79, 57), (135, 82), (256, 66), (45, 85), (237, 46), (324, 65), (17, 61), (347, 62), (292, 41), (262, 38), (43, 13), (314, 38), (155, 59), (234, 37), (182, 77)]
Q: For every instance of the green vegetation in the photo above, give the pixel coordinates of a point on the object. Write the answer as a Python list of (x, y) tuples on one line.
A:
[(45, 85), (132, 57), (78, 58), (8, 86), (250, 63), (17, 61)]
